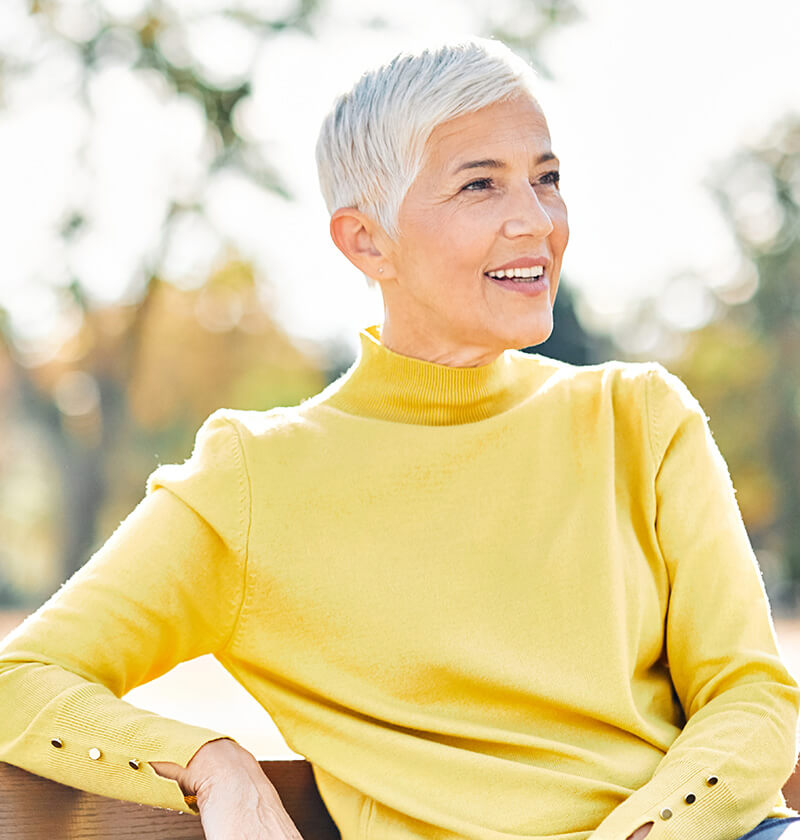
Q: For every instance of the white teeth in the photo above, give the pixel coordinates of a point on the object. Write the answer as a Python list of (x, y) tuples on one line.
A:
[(518, 273)]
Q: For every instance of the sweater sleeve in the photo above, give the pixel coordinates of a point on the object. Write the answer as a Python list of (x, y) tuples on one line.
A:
[(166, 587), (723, 774)]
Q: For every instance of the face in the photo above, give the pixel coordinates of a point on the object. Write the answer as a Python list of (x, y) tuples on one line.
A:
[(486, 200)]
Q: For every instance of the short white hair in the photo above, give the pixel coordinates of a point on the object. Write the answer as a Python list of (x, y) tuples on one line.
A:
[(371, 144)]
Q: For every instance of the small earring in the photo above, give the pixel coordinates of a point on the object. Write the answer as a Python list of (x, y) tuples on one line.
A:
[(380, 270)]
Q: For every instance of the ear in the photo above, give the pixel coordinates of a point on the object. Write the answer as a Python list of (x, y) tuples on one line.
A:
[(359, 238)]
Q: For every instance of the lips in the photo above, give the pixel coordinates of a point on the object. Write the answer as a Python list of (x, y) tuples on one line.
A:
[(521, 262)]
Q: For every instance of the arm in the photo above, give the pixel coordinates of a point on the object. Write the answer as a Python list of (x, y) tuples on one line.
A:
[(724, 772), (166, 587)]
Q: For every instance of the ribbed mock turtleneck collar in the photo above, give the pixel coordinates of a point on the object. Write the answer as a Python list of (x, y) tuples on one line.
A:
[(389, 386)]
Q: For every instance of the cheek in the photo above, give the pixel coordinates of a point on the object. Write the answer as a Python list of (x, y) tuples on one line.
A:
[(443, 243), (428, 234), (453, 240)]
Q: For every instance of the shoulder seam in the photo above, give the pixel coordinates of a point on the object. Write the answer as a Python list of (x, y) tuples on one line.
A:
[(651, 420), (246, 497)]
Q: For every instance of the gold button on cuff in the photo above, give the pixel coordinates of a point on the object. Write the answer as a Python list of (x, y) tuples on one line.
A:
[(94, 753), (134, 762), (689, 798), (665, 813), (712, 780), (57, 742)]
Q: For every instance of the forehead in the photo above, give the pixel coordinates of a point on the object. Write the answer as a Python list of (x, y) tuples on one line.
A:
[(510, 128)]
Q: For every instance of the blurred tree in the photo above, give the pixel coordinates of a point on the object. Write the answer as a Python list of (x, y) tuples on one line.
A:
[(215, 345), (139, 379), (745, 369), (524, 25), (76, 394)]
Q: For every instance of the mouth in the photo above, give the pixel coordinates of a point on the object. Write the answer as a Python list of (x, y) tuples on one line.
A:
[(526, 274), (530, 280)]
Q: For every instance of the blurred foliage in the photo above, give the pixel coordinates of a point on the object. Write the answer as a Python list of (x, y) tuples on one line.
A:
[(130, 388), (134, 379), (524, 25), (744, 367), (216, 345)]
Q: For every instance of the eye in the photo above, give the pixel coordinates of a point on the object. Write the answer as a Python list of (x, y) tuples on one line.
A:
[(478, 186), (553, 177)]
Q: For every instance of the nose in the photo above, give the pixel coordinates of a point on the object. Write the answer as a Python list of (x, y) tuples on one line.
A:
[(527, 216)]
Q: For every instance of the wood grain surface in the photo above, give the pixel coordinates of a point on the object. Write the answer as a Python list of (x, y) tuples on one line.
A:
[(33, 808)]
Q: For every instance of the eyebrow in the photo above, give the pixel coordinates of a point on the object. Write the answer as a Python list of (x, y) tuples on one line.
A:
[(493, 163)]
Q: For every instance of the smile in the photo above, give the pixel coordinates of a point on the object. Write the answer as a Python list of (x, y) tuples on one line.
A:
[(518, 273), (530, 286)]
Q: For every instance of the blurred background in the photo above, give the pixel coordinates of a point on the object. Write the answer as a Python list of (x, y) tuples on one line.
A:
[(164, 249)]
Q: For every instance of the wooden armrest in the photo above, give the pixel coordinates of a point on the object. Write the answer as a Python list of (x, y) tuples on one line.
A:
[(34, 808), (791, 790)]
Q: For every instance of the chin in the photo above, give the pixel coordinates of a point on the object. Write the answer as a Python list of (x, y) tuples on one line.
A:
[(530, 335)]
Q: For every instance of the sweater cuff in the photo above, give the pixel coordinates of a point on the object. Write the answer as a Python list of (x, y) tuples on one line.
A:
[(108, 751), (684, 801)]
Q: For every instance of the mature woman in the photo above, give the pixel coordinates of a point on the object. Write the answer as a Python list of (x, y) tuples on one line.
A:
[(487, 594)]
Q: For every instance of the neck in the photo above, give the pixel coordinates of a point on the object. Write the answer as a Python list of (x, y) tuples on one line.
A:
[(387, 385), (430, 348)]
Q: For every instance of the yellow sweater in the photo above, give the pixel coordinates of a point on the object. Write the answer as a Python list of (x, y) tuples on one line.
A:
[(515, 600)]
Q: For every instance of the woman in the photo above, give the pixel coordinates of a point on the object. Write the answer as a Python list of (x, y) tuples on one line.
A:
[(485, 593)]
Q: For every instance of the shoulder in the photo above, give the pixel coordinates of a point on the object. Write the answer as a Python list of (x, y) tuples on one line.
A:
[(614, 378), (642, 396), (248, 425), (667, 392), (220, 446)]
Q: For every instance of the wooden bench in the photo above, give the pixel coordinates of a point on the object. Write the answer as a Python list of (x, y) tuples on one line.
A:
[(33, 808)]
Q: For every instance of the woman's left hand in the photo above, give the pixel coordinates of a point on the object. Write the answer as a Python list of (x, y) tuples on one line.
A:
[(640, 832)]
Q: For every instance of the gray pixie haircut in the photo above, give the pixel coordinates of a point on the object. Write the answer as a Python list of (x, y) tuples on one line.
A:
[(371, 144)]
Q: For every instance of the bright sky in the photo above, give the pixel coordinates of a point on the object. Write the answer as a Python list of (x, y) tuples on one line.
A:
[(646, 97)]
